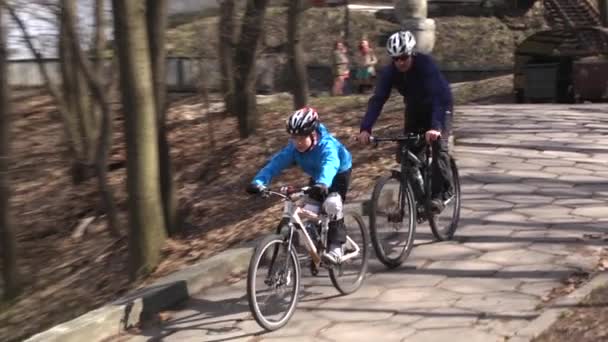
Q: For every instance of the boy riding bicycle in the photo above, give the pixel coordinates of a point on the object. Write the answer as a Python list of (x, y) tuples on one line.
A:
[(325, 160)]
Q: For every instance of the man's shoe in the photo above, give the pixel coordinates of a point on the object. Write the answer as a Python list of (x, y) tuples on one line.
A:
[(437, 206)]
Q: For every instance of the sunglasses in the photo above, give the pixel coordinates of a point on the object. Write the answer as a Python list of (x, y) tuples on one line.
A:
[(402, 58)]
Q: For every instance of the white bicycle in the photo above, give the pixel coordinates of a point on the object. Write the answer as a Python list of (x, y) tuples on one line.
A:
[(273, 279)]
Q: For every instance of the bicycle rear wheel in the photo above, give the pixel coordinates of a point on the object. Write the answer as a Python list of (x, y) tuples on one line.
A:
[(392, 221), (348, 276), (444, 225), (273, 283)]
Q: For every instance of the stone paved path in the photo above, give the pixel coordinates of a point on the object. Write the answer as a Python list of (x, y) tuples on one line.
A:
[(535, 210)]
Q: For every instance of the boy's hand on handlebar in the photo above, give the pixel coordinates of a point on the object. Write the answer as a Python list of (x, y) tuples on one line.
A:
[(255, 188), (318, 192), (432, 135)]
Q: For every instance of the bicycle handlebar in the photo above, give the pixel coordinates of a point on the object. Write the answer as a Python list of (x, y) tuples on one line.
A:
[(286, 192)]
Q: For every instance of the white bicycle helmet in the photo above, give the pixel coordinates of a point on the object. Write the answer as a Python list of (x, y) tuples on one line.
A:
[(303, 121), (400, 43)]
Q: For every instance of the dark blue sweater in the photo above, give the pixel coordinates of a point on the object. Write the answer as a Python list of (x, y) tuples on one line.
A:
[(428, 95)]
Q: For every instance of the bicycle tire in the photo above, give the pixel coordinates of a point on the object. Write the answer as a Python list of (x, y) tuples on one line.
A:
[(254, 263), (336, 272), (447, 233), (392, 262)]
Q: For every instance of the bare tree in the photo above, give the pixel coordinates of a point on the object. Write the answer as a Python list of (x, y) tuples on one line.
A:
[(244, 101), (146, 219), (226, 29), (156, 19), (70, 129), (7, 235), (95, 82), (79, 127), (297, 66)]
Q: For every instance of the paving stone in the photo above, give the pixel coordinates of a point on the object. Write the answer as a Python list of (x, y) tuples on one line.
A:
[(578, 202), (517, 257), (352, 311), (592, 167), (583, 179), (447, 318), (547, 161), (539, 288), (552, 248), (367, 331), (506, 217), (511, 188), (545, 211), (404, 279), (523, 166), (470, 231), (498, 244), (454, 335), (417, 296), (526, 199), (462, 268), (565, 154), (488, 205), (443, 251), (535, 272), (562, 192), (592, 212), (301, 324), (470, 285), (567, 170), (499, 304), (579, 261)]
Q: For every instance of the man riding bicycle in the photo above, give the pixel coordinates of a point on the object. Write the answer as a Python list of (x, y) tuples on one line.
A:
[(429, 103)]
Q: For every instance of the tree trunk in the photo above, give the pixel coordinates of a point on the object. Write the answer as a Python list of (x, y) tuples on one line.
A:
[(226, 29), (157, 22), (96, 84), (146, 219), (346, 22), (297, 66), (99, 42), (251, 31), (76, 97), (7, 235)]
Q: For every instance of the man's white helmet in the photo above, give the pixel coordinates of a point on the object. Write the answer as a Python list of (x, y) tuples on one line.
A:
[(400, 43)]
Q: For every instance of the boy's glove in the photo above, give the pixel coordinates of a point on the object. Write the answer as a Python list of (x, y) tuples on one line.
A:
[(318, 192), (255, 188)]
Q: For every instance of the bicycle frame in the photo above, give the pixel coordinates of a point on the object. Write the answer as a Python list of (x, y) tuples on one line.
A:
[(297, 213)]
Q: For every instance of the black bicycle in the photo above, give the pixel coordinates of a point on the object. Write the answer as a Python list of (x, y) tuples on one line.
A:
[(403, 198)]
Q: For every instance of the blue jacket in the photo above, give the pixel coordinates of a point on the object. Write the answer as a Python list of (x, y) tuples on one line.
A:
[(326, 159), (428, 94)]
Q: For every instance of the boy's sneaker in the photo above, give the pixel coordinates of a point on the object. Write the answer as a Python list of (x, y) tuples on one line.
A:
[(334, 255)]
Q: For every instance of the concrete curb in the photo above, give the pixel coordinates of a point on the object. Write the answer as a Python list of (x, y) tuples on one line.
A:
[(553, 312), (115, 317)]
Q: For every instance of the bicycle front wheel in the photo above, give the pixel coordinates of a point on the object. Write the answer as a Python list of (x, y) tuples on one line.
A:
[(392, 221), (444, 225), (273, 282), (348, 276)]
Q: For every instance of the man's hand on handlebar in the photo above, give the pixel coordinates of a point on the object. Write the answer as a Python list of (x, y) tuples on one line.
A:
[(363, 137), (432, 135)]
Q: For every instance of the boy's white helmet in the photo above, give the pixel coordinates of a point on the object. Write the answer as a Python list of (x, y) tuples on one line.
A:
[(303, 121), (400, 43)]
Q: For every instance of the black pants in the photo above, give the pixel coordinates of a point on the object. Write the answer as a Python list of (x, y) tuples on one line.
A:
[(337, 231)]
